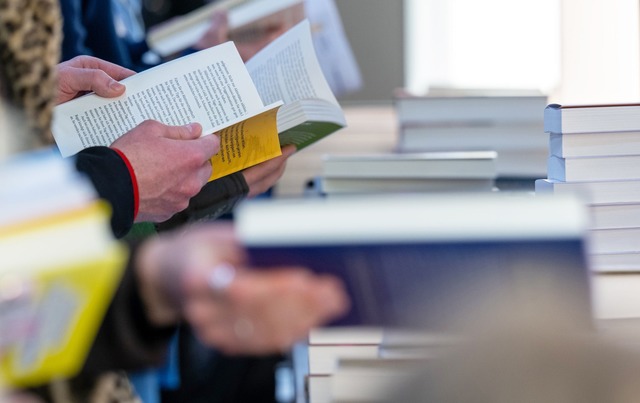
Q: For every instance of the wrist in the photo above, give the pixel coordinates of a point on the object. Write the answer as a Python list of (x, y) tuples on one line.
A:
[(134, 182), (159, 287)]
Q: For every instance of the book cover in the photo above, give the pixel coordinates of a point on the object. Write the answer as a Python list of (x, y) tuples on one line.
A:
[(60, 268), (414, 260)]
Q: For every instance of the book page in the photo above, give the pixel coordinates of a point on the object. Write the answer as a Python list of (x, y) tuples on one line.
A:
[(247, 143), (288, 69), (211, 87), (334, 52)]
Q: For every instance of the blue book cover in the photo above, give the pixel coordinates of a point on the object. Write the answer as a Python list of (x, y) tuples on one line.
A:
[(425, 260)]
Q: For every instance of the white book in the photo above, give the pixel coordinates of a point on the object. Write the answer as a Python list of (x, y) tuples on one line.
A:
[(624, 262), (345, 335), (527, 108), (182, 32), (616, 296), (594, 192), (522, 163), (332, 186), (318, 388), (594, 144), (593, 168), (468, 165), (324, 358), (614, 240), (568, 119), (362, 380), (616, 215), (460, 136)]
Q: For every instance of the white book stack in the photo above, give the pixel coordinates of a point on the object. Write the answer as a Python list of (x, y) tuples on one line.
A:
[(509, 122), (471, 171), (361, 364), (595, 152), (327, 347)]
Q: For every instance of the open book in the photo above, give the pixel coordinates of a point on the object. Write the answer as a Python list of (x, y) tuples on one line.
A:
[(245, 17), (214, 88)]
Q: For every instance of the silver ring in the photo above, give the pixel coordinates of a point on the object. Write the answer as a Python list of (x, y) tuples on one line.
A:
[(221, 276)]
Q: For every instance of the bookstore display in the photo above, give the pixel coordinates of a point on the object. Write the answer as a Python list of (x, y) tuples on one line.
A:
[(254, 109)]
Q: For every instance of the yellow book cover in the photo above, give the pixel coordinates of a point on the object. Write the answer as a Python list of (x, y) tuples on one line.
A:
[(247, 143), (72, 268)]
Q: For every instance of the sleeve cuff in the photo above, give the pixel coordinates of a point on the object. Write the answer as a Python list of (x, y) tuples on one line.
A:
[(134, 182)]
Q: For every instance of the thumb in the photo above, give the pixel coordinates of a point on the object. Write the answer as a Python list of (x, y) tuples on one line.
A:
[(97, 81), (187, 132)]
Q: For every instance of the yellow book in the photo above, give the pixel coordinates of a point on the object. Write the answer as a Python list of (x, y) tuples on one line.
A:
[(67, 267)]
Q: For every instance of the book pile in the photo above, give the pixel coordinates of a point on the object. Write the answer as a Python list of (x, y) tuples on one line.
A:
[(60, 268), (509, 122), (408, 172), (595, 152), (361, 364)]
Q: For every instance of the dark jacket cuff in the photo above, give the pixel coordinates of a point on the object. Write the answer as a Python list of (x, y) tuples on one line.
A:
[(215, 199), (112, 180)]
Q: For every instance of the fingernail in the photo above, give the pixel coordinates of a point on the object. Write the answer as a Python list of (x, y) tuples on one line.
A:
[(192, 127), (116, 86)]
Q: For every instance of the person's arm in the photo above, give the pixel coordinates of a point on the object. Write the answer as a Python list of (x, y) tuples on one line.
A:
[(113, 178), (169, 164)]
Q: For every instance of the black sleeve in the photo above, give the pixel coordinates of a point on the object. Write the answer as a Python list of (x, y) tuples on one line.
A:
[(112, 180), (126, 339), (215, 199)]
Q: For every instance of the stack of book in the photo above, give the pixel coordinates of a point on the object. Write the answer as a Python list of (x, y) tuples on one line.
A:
[(361, 364), (326, 347), (509, 122), (60, 268), (409, 172), (595, 151)]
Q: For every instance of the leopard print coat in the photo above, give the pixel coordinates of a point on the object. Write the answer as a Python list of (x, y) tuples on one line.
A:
[(30, 40)]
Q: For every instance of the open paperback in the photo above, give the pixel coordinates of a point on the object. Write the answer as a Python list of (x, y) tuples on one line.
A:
[(214, 88), (182, 32)]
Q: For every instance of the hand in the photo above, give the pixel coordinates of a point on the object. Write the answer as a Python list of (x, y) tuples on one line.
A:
[(83, 74), (171, 165), (217, 33), (257, 312), (264, 175)]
